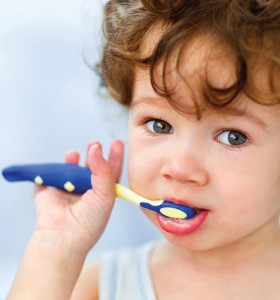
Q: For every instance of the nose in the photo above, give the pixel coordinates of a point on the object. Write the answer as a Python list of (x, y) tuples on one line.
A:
[(185, 164)]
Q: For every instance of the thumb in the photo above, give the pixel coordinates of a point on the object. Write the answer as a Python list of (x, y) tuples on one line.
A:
[(96, 204)]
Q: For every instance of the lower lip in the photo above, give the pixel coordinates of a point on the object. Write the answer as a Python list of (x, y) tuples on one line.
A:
[(176, 226)]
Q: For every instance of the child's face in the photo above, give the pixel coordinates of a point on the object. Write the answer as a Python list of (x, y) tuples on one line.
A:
[(227, 163)]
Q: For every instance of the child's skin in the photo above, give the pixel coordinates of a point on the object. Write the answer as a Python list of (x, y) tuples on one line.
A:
[(234, 253)]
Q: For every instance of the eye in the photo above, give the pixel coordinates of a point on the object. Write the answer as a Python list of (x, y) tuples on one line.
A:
[(232, 138), (159, 126)]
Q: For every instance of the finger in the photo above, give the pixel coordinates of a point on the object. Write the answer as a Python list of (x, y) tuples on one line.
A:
[(90, 143), (96, 204), (102, 178), (116, 158), (72, 157), (37, 189)]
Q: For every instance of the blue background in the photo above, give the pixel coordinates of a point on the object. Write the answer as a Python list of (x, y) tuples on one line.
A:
[(51, 102)]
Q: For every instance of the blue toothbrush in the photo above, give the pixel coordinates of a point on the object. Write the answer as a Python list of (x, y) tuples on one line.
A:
[(76, 179)]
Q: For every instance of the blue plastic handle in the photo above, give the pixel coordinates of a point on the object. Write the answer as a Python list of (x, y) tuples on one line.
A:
[(76, 179), (68, 177)]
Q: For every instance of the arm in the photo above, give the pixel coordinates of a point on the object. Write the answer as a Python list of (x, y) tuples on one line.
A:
[(67, 227), (46, 272)]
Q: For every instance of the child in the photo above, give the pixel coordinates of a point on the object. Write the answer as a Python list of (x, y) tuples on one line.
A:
[(201, 80)]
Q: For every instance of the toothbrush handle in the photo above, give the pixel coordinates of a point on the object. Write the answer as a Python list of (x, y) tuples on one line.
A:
[(76, 179), (67, 177)]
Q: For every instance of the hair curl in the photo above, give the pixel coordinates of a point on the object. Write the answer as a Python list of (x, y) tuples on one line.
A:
[(251, 28)]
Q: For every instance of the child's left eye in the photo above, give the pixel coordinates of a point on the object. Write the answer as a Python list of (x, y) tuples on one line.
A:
[(159, 126), (232, 138)]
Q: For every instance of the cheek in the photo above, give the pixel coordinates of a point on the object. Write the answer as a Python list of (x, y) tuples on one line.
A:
[(248, 202), (136, 169), (246, 194), (143, 164), (136, 161)]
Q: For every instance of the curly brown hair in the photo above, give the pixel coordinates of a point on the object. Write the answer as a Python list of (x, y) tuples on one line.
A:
[(250, 28)]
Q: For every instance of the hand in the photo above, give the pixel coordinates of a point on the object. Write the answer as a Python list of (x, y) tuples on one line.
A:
[(76, 222), (67, 226)]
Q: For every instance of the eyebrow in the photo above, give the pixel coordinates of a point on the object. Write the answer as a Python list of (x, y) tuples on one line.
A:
[(233, 111), (147, 100), (228, 111)]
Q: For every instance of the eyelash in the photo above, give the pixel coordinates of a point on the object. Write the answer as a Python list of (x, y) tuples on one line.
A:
[(146, 120), (233, 130)]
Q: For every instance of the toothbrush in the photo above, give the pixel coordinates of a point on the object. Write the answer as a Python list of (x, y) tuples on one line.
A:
[(77, 180)]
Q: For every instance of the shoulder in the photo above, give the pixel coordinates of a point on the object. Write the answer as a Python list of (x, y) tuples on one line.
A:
[(114, 271), (95, 277), (87, 284), (126, 274)]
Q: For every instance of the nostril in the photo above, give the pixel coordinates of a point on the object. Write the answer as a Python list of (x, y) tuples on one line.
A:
[(196, 176)]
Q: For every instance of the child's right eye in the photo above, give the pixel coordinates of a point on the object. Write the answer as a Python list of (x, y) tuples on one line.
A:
[(159, 126)]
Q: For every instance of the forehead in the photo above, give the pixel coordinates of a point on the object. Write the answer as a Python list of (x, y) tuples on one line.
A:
[(202, 60), (201, 70)]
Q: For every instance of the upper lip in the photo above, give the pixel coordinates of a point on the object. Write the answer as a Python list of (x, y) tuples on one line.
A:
[(183, 202)]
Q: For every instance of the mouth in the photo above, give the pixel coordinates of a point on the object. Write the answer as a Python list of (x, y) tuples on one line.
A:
[(183, 226)]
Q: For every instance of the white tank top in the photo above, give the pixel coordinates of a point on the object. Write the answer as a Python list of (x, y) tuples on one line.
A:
[(125, 275)]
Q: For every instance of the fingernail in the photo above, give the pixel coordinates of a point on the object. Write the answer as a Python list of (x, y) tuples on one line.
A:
[(97, 149)]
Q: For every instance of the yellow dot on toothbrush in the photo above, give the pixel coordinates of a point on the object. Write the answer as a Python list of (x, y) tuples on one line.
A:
[(38, 180), (69, 187), (173, 213)]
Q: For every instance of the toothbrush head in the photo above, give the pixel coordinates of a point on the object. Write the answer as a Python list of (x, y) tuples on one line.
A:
[(171, 210)]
